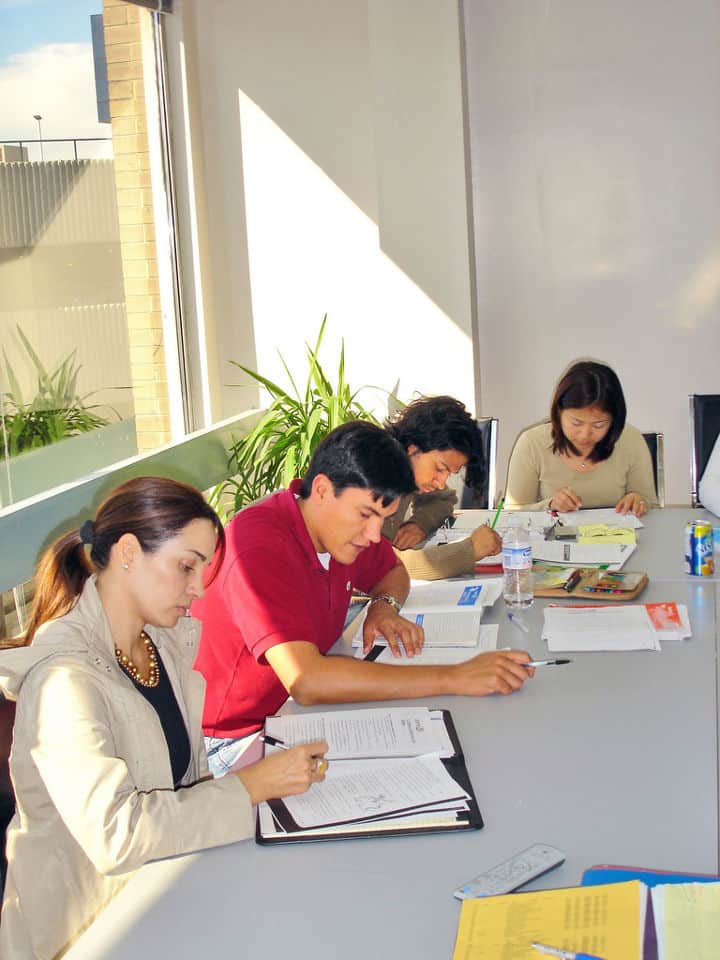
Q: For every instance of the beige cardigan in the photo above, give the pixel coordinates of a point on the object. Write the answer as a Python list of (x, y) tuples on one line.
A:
[(536, 473), (429, 510), (92, 777)]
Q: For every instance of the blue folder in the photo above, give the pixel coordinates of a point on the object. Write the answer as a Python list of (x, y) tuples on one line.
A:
[(607, 873)]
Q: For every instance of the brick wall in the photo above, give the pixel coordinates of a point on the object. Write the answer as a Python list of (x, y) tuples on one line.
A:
[(122, 25)]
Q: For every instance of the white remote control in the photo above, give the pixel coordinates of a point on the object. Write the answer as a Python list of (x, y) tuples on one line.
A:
[(513, 873)]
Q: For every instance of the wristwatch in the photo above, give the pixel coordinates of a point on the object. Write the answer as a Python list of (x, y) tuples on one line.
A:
[(388, 598)]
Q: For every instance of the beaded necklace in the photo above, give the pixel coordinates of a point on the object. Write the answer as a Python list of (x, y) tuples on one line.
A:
[(153, 677)]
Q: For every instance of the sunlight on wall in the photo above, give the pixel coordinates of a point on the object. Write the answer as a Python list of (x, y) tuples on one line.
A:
[(312, 251)]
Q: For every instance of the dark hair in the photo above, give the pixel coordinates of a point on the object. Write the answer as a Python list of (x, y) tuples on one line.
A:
[(361, 454), (440, 423), (154, 509), (589, 384)]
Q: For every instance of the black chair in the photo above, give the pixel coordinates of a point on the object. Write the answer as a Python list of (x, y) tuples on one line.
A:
[(478, 493), (704, 430), (656, 446)]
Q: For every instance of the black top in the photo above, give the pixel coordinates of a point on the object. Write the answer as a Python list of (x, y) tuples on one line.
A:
[(162, 698)]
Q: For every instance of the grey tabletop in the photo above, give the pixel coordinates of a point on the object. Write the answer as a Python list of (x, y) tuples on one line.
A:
[(613, 758)]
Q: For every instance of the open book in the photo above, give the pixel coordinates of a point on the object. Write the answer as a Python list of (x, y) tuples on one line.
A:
[(391, 770), (449, 611)]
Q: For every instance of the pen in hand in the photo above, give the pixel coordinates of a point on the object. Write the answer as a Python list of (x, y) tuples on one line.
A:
[(546, 663), (497, 513), (274, 741), (322, 763)]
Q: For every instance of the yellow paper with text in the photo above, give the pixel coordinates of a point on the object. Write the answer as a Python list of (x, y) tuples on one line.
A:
[(606, 921), (692, 921)]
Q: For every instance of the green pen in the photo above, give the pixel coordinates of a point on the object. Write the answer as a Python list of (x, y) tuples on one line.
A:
[(497, 513)]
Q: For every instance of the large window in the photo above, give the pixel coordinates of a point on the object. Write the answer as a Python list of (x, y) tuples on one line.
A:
[(89, 361)]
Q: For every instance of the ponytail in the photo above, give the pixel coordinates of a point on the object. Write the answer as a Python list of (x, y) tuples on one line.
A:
[(59, 581), (153, 509)]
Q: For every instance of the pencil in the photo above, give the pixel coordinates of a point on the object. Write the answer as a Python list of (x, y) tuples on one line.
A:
[(497, 513)]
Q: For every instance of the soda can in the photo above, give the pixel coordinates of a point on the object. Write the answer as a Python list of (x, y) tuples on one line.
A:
[(699, 549)]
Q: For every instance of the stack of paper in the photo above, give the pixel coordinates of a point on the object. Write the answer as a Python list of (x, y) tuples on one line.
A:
[(390, 770), (630, 627)]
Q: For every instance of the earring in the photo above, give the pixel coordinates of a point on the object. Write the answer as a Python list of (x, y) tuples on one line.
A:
[(125, 566)]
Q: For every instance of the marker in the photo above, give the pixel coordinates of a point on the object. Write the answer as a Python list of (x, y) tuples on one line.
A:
[(563, 954), (545, 663), (572, 581), (497, 513), (517, 622)]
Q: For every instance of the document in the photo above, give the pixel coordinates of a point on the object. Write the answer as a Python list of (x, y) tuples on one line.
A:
[(534, 521), (365, 791), (606, 515), (398, 790), (614, 555), (604, 921), (598, 628), (687, 920), (368, 732), (441, 629), (433, 656), (627, 627)]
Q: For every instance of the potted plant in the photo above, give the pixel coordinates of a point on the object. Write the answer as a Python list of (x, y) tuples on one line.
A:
[(280, 446), (54, 413)]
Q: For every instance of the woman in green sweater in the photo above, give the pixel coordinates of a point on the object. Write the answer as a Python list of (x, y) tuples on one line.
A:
[(441, 438)]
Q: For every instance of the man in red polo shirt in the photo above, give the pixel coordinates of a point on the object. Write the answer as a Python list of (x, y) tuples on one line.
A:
[(280, 599)]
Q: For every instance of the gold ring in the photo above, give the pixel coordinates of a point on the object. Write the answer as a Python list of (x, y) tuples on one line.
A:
[(321, 766)]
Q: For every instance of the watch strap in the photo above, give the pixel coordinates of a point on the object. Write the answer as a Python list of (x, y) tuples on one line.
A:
[(388, 598)]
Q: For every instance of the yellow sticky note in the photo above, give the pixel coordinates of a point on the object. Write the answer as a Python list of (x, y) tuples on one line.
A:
[(604, 920), (602, 533)]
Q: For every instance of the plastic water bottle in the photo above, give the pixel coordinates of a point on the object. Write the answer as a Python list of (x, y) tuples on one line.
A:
[(517, 567)]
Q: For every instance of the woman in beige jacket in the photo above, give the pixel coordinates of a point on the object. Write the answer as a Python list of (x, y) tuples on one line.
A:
[(108, 762)]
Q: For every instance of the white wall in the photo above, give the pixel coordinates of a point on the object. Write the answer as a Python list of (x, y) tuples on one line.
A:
[(327, 139), (595, 140)]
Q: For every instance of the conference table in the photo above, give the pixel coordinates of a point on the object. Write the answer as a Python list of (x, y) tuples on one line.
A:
[(613, 758)]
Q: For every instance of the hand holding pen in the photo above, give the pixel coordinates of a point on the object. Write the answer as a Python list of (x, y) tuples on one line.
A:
[(499, 510), (321, 763), (289, 771)]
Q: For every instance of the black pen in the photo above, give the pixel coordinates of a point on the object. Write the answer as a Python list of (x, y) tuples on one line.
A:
[(322, 763), (274, 741)]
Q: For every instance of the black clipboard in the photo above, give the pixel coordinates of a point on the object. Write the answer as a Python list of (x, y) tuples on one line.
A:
[(284, 830)]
